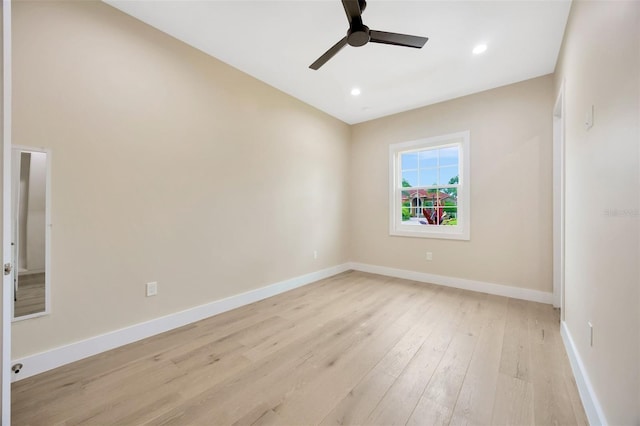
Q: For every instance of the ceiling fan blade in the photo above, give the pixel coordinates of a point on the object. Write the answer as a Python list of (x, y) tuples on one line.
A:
[(352, 9), (397, 39), (328, 54)]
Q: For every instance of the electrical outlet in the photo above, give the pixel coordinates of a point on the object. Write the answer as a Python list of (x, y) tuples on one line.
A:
[(152, 289), (315, 254), (429, 255), (590, 333)]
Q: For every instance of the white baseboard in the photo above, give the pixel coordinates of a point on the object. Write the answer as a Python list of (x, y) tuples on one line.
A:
[(465, 284), (41, 362), (589, 399)]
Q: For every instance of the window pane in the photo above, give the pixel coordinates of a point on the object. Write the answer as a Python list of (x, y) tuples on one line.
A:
[(409, 160), (450, 206), (440, 206), (450, 217), (432, 201), (447, 174), (448, 156), (450, 193), (428, 177), (429, 158), (409, 178), (430, 207), (411, 205)]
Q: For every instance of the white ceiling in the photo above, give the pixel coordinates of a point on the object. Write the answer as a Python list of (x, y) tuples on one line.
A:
[(276, 41)]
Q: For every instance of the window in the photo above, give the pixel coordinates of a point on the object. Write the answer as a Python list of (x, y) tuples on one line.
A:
[(429, 187)]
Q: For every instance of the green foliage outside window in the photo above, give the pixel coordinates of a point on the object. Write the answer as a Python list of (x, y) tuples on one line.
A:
[(449, 205)]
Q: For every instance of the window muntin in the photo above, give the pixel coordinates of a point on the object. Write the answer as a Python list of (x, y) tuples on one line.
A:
[(428, 192)]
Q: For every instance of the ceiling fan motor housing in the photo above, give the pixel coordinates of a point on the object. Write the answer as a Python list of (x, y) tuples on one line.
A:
[(358, 36)]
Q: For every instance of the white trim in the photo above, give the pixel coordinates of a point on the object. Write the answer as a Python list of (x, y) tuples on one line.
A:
[(558, 200), (7, 281), (592, 406), (47, 234), (38, 363), (465, 284)]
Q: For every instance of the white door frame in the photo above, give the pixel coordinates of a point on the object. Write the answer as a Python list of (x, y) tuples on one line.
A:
[(558, 200), (7, 280)]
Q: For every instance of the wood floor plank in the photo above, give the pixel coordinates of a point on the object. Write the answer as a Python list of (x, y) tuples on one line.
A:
[(475, 400), (311, 400), (513, 403), (399, 402), (139, 380), (271, 379), (356, 348), (357, 405), (309, 405), (515, 357), (441, 393), (30, 295), (304, 322), (552, 404)]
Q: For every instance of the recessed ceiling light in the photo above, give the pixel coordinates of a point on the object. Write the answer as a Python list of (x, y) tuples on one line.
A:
[(355, 91), (479, 49)]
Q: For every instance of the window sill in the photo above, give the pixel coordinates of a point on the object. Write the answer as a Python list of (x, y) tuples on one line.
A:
[(451, 235)]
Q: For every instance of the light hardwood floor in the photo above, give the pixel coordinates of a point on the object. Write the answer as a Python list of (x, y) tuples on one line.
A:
[(30, 297), (352, 349)]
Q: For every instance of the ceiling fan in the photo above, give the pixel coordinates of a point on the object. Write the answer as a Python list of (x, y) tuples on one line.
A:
[(359, 34)]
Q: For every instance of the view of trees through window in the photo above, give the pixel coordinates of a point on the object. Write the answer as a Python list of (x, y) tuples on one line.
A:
[(430, 180)]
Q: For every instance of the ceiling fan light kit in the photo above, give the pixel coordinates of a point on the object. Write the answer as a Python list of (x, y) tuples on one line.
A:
[(359, 34)]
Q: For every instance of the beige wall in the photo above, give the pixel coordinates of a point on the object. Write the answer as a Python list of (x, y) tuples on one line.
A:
[(511, 148), (168, 166), (600, 65)]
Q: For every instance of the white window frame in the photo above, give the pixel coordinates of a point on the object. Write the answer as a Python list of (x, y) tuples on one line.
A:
[(462, 230)]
